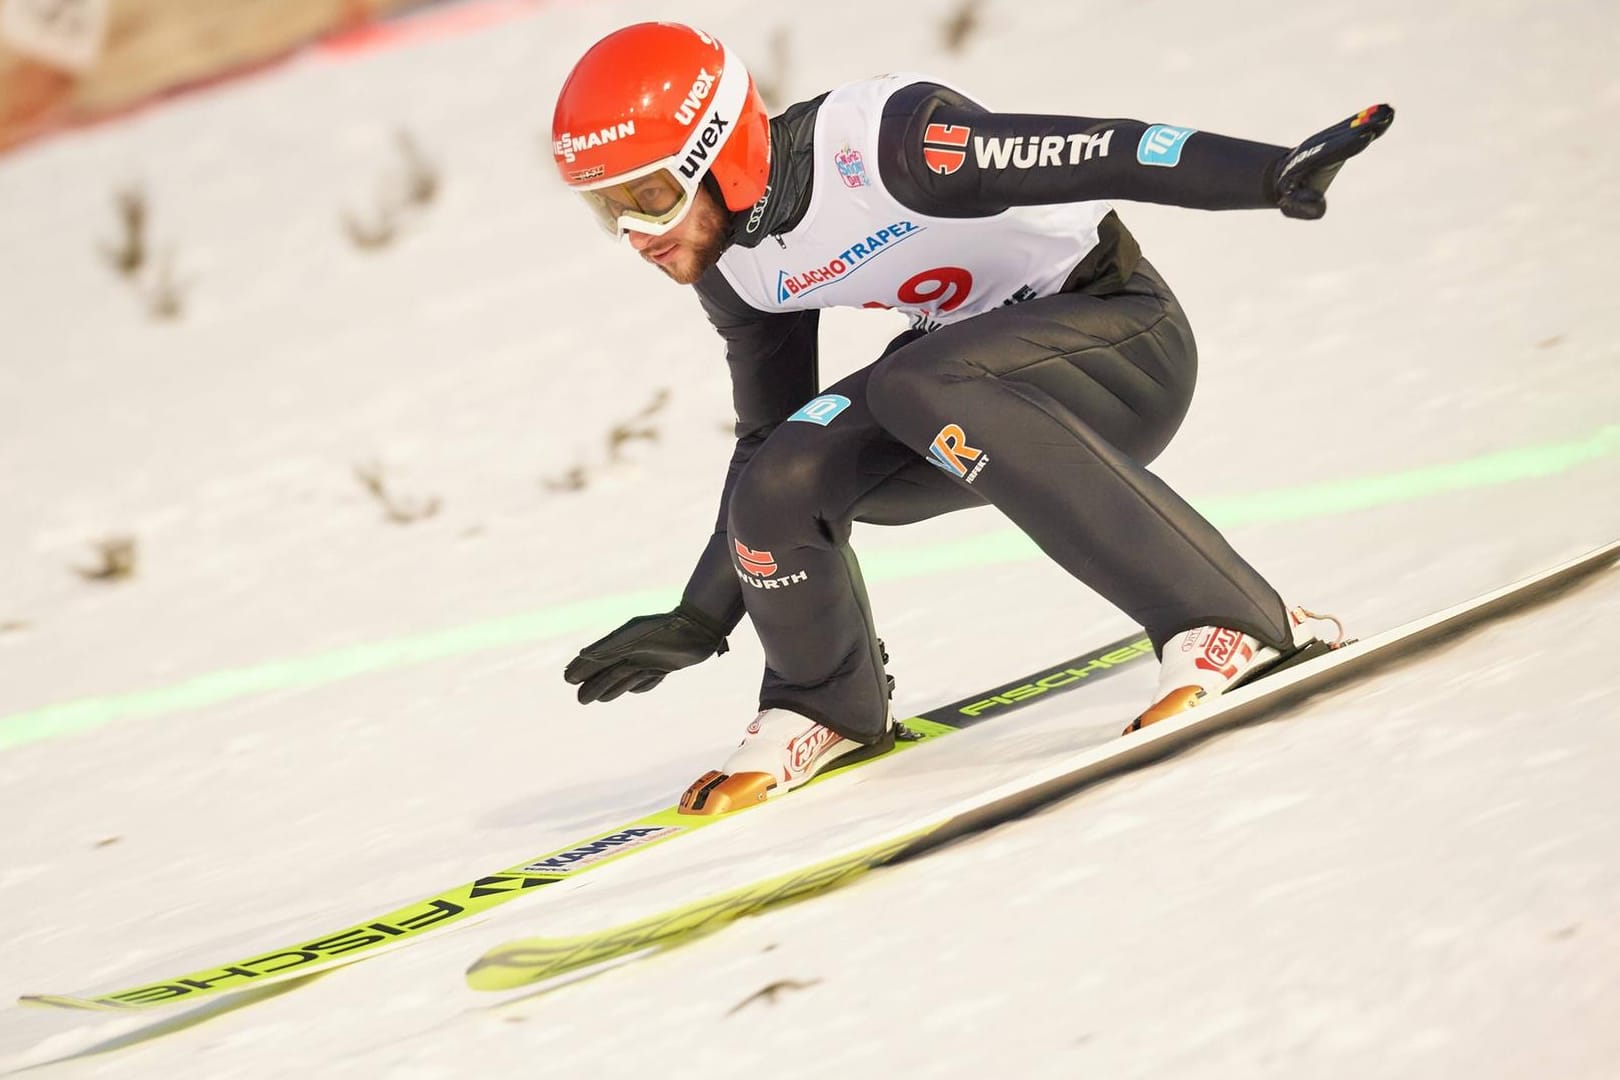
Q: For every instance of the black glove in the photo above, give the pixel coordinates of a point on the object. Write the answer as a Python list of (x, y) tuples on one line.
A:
[(1302, 176), (638, 655)]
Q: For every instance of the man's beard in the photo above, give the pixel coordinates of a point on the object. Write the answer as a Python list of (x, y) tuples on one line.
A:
[(698, 255)]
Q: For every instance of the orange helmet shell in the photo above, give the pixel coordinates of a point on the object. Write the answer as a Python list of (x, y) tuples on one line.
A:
[(662, 92)]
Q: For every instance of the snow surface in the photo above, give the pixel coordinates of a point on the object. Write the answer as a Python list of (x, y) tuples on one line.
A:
[(1415, 878)]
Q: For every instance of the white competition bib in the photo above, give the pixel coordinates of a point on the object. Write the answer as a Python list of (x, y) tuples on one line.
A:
[(857, 246)]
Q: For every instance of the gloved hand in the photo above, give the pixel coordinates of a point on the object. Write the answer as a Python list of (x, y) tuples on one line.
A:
[(637, 656), (1304, 173)]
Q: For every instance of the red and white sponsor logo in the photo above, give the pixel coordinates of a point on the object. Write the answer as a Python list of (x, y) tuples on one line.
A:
[(1222, 651), (945, 147), (569, 146), (807, 746), (755, 569), (758, 563)]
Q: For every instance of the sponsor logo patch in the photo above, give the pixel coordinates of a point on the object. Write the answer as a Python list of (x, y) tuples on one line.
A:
[(1222, 651), (851, 168), (568, 145), (951, 452), (846, 262), (758, 563), (773, 582), (1161, 145), (1288, 166), (945, 147), (756, 569), (1039, 151), (578, 858), (803, 749), (822, 410), (757, 214)]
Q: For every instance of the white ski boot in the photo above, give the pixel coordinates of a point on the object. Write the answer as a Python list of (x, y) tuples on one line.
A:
[(781, 751), (1207, 661)]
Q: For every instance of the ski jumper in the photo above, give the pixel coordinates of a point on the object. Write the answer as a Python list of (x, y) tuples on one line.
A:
[(1046, 366)]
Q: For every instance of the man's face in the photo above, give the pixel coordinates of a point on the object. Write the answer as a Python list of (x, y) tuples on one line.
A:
[(690, 248)]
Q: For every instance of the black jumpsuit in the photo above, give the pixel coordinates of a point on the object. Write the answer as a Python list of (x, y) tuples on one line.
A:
[(1072, 394)]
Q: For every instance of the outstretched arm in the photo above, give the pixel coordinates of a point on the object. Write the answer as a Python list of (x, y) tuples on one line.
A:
[(944, 155)]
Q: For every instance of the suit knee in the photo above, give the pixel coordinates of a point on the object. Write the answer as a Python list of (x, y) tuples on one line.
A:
[(778, 498)]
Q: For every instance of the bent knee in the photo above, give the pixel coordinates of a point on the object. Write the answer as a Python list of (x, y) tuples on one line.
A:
[(778, 498)]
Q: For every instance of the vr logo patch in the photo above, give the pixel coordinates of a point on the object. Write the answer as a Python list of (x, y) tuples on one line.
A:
[(822, 410), (951, 452), (1161, 145)]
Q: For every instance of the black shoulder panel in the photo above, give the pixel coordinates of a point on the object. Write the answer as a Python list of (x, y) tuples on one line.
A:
[(906, 116)]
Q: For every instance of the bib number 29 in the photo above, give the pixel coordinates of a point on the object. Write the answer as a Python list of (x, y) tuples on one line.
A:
[(944, 288)]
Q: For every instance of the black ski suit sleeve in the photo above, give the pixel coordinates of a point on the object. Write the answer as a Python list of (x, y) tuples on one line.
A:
[(945, 155), (774, 370)]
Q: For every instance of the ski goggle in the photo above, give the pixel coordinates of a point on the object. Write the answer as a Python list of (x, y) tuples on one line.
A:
[(653, 201)]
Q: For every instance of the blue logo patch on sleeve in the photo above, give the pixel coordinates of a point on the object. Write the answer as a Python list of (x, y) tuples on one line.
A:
[(1161, 145), (821, 410)]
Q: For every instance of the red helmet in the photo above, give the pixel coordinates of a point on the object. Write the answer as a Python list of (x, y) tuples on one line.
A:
[(648, 112)]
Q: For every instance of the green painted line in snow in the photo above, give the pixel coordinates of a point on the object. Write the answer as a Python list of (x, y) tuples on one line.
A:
[(590, 616), (1287, 504), (324, 668)]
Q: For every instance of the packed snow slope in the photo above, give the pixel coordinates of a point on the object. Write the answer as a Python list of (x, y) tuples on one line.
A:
[(297, 713)]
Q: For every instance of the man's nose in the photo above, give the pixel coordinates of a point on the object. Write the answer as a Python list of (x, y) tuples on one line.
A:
[(640, 240)]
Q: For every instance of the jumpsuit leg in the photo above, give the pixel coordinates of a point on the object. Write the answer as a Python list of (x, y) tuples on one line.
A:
[(1050, 410), (790, 520)]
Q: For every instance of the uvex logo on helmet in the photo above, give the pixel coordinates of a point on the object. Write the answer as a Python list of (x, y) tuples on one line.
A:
[(695, 97), (697, 158)]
